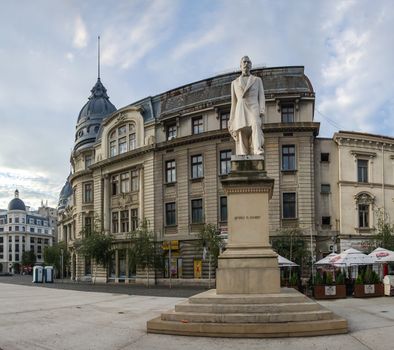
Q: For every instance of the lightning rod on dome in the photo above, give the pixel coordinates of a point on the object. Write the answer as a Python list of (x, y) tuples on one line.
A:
[(98, 56)]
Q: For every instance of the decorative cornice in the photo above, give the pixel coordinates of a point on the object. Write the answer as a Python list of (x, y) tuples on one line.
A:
[(361, 154)]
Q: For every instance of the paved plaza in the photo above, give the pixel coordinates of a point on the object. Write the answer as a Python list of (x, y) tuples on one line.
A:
[(52, 318)]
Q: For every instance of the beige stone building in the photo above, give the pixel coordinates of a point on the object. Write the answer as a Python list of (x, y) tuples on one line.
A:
[(162, 158)]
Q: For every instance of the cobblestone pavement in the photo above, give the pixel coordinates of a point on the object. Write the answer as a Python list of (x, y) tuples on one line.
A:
[(129, 289)]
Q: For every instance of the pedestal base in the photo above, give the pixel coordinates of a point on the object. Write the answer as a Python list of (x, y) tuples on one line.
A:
[(285, 314), (248, 275)]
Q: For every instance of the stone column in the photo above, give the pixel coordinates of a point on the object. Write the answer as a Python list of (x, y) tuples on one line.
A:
[(117, 265), (249, 265), (106, 210)]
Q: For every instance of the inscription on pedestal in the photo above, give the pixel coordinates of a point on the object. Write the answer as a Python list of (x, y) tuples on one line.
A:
[(256, 217)]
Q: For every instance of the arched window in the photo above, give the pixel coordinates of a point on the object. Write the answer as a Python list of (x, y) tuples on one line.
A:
[(122, 139), (364, 203)]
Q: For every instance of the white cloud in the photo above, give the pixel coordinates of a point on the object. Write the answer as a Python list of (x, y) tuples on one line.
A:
[(70, 56), (125, 45), (80, 39)]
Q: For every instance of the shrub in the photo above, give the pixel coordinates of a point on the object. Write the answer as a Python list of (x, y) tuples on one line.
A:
[(340, 278), (329, 279), (318, 280)]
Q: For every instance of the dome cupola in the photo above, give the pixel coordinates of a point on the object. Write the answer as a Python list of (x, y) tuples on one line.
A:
[(16, 203), (91, 116), (65, 194), (93, 112)]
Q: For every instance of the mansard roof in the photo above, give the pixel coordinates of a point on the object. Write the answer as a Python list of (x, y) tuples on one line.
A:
[(215, 91)]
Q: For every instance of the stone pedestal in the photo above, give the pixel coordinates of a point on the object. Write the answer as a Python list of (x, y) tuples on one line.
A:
[(249, 265), (248, 301)]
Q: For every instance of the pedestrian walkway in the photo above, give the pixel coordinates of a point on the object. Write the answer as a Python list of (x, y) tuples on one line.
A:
[(48, 318), (117, 288)]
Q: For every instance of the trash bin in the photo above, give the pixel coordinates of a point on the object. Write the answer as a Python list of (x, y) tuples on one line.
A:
[(48, 274), (37, 274), (388, 282)]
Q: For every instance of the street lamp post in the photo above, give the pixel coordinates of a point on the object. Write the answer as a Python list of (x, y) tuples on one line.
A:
[(61, 263)]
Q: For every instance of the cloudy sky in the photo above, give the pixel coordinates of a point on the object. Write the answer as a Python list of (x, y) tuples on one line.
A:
[(48, 64)]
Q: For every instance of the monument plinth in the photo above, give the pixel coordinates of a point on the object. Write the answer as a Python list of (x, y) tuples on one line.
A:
[(248, 301), (249, 265)]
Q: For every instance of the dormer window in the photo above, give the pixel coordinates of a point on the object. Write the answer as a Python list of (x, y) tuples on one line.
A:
[(287, 111), (171, 132), (122, 139)]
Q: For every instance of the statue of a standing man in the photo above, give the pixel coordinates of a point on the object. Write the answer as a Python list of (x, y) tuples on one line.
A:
[(247, 110)]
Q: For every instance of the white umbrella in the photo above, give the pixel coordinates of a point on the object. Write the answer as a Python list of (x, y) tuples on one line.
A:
[(326, 260), (351, 257), (382, 255), (283, 262)]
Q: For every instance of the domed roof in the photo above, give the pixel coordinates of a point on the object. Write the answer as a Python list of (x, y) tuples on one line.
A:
[(98, 104), (16, 203), (91, 116), (65, 194)]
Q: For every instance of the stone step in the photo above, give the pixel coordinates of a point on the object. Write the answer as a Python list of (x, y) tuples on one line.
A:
[(335, 325), (247, 317), (286, 296), (186, 306)]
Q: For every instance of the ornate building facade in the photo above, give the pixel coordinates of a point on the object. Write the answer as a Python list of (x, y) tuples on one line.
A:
[(162, 158), (22, 229)]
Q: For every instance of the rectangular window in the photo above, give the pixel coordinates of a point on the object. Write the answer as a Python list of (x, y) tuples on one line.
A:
[(363, 215), (88, 161), (325, 188), (16, 228), (324, 157), (362, 170), (326, 220), (170, 171), (112, 149), (170, 214), (134, 219), (88, 225), (39, 222), (124, 183), (287, 113), (32, 229), (223, 209), (115, 222), (124, 221), (115, 185), (225, 162), (197, 169), (88, 193), (122, 145), (197, 125), (134, 180), (132, 141), (289, 205), (171, 132), (197, 213), (10, 220), (224, 118), (17, 220), (288, 157)]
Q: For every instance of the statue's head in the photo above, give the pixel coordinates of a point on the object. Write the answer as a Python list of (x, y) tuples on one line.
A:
[(246, 65)]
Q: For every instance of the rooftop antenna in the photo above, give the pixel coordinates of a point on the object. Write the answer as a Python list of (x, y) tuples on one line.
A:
[(98, 56)]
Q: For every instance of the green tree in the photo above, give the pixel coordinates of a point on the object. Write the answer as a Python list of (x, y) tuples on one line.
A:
[(384, 231), (28, 258), (53, 256), (142, 250), (96, 245), (291, 244), (210, 244)]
